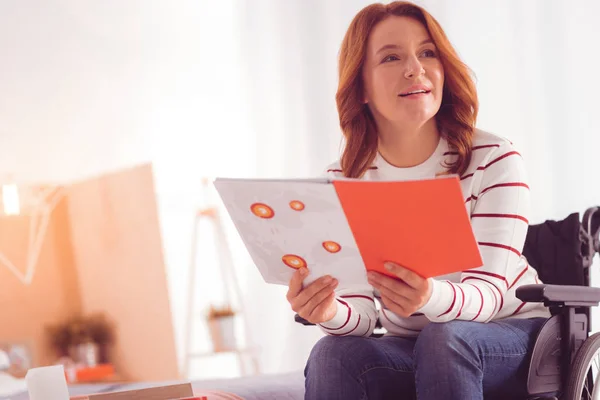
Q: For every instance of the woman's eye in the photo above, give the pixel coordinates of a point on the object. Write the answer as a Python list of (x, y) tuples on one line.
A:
[(429, 53), (390, 58)]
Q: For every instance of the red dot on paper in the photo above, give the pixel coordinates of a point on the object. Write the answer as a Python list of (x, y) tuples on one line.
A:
[(262, 210), (294, 261), (331, 246), (297, 205)]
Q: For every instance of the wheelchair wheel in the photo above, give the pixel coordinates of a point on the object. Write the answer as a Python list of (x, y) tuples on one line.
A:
[(583, 378)]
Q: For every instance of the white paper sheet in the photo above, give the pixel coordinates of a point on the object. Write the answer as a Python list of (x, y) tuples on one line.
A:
[(294, 222)]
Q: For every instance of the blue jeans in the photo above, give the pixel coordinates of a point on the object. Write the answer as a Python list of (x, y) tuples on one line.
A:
[(458, 360)]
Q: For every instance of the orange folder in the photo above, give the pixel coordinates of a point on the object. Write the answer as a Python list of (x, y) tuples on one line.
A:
[(422, 225)]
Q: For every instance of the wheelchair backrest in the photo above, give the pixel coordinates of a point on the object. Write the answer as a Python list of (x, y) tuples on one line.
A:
[(562, 251)]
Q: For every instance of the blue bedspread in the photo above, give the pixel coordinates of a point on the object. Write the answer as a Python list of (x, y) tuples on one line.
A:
[(288, 386)]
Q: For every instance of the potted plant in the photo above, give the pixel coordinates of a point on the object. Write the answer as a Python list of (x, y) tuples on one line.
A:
[(83, 339), (222, 328)]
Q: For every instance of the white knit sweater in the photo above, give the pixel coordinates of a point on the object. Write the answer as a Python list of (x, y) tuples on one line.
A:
[(497, 200)]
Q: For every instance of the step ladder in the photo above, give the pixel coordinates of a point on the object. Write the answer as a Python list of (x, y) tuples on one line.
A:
[(232, 290)]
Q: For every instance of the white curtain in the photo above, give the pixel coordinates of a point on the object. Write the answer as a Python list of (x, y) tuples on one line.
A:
[(536, 67)]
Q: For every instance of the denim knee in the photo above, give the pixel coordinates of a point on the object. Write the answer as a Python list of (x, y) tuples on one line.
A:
[(331, 351), (446, 339)]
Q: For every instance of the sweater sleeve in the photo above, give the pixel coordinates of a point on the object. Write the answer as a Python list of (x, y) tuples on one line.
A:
[(499, 219), (356, 313)]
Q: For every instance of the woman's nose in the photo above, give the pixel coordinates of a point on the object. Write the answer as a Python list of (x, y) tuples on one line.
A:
[(413, 68)]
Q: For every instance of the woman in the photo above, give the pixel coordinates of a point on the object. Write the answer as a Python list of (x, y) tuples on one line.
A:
[(407, 108)]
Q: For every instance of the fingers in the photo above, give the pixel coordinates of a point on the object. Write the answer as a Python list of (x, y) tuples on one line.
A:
[(412, 279), (321, 309), (318, 303), (295, 285), (397, 296), (299, 298), (395, 286), (311, 290)]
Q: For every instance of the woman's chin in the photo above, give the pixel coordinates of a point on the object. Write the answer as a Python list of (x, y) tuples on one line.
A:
[(418, 117)]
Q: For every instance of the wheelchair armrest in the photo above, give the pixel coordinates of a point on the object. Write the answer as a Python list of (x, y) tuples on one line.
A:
[(560, 295), (302, 321)]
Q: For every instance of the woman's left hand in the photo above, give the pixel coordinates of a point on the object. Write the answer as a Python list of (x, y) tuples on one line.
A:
[(402, 296)]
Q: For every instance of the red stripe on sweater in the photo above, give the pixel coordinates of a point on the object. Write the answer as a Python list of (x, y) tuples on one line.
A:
[(484, 146), (347, 318), (349, 332), (495, 287), (519, 276), (339, 170), (453, 300), (518, 309), (368, 327), (481, 168), (507, 184), (495, 304), (513, 216), (510, 153), (500, 246), (469, 271), (357, 296), (463, 302), (480, 308), (388, 318)]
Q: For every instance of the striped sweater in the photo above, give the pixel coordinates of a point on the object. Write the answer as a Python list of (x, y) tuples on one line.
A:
[(497, 200)]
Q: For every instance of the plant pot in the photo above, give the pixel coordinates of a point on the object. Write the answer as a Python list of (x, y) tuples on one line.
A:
[(222, 332), (85, 354)]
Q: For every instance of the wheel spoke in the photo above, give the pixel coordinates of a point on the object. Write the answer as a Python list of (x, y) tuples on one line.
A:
[(589, 392), (585, 371), (591, 377)]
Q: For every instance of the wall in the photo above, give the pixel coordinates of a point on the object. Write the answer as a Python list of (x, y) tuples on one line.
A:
[(102, 252), (100, 86), (53, 293), (118, 253), (74, 87)]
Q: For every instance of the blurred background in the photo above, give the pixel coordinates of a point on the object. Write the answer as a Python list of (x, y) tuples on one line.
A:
[(116, 115)]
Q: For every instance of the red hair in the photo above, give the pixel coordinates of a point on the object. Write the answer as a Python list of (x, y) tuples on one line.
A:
[(455, 118)]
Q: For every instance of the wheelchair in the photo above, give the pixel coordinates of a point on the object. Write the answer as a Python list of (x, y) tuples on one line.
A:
[(565, 362)]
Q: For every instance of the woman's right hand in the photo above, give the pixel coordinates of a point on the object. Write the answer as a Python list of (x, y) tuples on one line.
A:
[(316, 302)]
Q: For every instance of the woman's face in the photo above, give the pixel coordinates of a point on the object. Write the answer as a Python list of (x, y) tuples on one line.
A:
[(402, 74)]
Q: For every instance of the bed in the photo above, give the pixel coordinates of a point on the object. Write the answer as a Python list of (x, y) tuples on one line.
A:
[(288, 386)]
